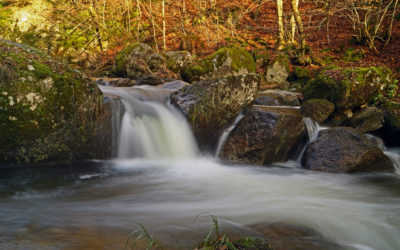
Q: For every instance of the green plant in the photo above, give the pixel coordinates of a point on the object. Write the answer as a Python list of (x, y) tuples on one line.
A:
[(141, 233)]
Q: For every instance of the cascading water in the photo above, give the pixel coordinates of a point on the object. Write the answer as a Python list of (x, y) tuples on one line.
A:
[(222, 139), (150, 128)]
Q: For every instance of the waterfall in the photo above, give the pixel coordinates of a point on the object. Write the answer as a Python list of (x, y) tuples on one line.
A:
[(226, 133), (150, 127), (313, 129)]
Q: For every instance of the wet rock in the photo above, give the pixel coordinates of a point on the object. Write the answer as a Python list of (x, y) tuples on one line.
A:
[(367, 120), (317, 109), (345, 150), (279, 70), (265, 135), (211, 105), (177, 60), (282, 236), (225, 62), (148, 80), (49, 111), (348, 88), (174, 85), (276, 97), (391, 129)]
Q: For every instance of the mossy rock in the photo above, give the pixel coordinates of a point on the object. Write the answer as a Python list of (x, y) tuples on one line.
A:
[(367, 120), (317, 109), (177, 60), (47, 109), (211, 105), (353, 55), (139, 60), (348, 88), (300, 73), (278, 71), (225, 62)]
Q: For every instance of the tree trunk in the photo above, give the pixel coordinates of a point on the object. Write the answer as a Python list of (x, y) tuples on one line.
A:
[(281, 34), (300, 27), (163, 20)]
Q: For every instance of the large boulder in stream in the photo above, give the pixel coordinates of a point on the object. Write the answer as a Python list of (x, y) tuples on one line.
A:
[(265, 135), (348, 88), (211, 105), (276, 97), (225, 62), (345, 150), (367, 120), (48, 111)]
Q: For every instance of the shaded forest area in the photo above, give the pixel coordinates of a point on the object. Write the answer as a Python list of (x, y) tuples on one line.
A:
[(90, 32)]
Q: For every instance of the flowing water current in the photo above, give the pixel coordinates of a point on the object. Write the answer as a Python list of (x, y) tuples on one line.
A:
[(169, 189)]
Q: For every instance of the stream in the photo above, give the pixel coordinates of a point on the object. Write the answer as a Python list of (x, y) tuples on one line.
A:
[(172, 193)]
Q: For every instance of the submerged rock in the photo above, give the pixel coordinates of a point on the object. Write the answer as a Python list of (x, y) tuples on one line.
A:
[(367, 120), (225, 62), (210, 105), (265, 135), (348, 88), (48, 110), (276, 97), (345, 150), (317, 109)]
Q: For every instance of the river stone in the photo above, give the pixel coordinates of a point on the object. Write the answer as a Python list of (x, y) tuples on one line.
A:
[(148, 80), (367, 120), (283, 236), (276, 97), (49, 111), (345, 150), (265, 135), (225, 62), (391, 129), (317, 109), (174, 85), (140, 60), (211, 105), (348, 88), (177, 60), (279, 70)]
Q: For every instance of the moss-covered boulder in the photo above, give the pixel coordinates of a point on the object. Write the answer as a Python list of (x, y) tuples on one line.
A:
[(265, 135), (348, 88), (139, 60), (47, 110), (367, 120), (278, 71), (225, 62), (317, 109), (177, 60), (345, 150), (211, 105)]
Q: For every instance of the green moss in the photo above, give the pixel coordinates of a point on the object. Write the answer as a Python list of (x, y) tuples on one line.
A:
[(240, 60), (301, 73), (122, 58), (353, 55)]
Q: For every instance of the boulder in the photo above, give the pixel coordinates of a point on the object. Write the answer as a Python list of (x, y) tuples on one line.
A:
[(148, 80), (278, 71), (345, 150), (276, 97), (317, 109), (177, 60), (391, 129), (348, 88), (211, 105), (48, 110), (174, 85), (367, 120), (265, 135), (140, 60), (225, 62)]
